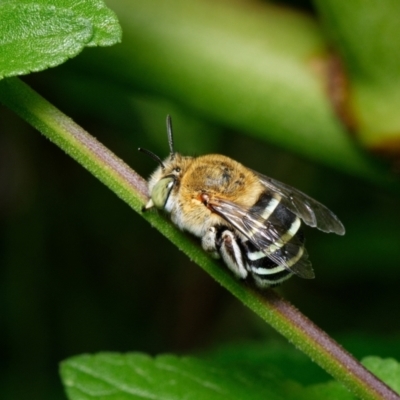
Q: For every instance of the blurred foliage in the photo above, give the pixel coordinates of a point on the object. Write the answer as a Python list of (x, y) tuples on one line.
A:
[(81, 273), (364, 35)]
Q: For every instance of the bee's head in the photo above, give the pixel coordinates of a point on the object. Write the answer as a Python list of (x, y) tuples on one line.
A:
[(167, 176)]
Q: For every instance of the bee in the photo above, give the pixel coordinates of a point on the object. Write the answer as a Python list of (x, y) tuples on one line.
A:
[(250, 221)]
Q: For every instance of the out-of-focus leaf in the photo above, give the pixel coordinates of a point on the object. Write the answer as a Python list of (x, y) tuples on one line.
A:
[(254, 67), (387, 369), (366, 35)]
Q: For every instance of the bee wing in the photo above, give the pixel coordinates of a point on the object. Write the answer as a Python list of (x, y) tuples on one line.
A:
[(263, 234), (312, 212)]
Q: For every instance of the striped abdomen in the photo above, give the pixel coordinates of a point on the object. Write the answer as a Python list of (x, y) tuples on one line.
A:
[(280, 242)]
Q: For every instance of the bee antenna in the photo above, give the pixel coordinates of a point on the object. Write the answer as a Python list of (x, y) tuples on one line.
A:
[(153, 156), (170, 137)]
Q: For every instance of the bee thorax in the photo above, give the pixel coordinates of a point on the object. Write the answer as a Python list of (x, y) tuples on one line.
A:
[(194, 218)]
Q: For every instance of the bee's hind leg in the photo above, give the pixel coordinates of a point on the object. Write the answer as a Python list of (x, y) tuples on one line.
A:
[(224, 244)]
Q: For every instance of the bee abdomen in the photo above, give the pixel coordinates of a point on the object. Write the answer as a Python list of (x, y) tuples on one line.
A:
[(271, 263), (267, 272)]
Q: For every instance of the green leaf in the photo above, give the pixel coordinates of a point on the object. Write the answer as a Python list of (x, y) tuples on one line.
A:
[(39, 34), (331, 390), (277, 355), (110, 376), (387, 370)]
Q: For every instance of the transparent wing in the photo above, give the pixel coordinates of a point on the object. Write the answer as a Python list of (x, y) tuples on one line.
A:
[(312, 212), (264, 234)]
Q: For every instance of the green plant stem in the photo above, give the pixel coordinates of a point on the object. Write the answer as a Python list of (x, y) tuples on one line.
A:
[(130, 187)]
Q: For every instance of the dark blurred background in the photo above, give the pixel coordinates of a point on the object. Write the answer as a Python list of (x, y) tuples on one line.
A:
[(81, 272)]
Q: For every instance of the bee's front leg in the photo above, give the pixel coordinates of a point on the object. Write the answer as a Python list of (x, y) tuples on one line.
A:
[(209, 242), (224, 243)]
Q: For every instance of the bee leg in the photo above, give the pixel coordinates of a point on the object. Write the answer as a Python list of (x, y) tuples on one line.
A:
[(231, 253), (209, 242), (224, 244), (148, 205)]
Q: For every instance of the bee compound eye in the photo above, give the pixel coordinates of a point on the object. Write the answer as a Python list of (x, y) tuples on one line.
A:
[(161, 191)]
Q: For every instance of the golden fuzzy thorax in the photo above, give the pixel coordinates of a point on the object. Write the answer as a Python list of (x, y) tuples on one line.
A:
[(211, 175)]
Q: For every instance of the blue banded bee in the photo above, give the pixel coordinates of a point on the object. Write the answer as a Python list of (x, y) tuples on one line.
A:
[(251, 221)]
